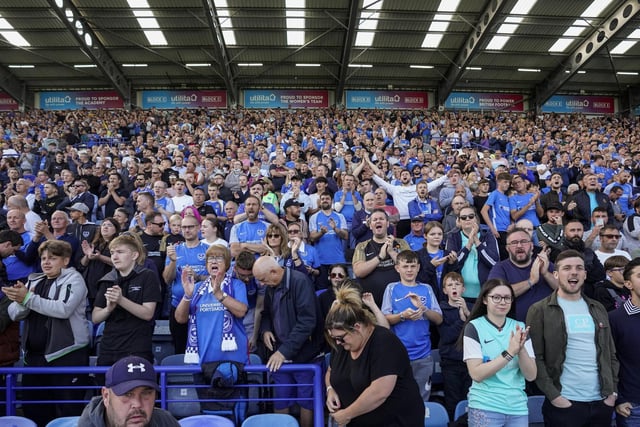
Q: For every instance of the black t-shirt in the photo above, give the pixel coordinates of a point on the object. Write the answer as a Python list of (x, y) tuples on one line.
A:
[(152, 245), (111, 205), (205, 210), (376, 282), (125, 333), (382, 355)]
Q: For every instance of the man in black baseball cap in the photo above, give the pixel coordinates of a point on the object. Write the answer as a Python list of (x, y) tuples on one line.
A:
[(128, 398)]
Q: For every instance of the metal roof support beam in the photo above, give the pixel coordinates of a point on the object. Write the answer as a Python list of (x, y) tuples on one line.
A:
[(469, 49), (220, 49), (71, 17), (14, 87), (587, 49), (347, 46)]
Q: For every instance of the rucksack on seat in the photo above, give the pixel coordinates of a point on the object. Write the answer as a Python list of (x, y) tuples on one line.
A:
[(223, 378)]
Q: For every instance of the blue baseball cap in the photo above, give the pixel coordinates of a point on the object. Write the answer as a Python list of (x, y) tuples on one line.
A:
[(129, 373)]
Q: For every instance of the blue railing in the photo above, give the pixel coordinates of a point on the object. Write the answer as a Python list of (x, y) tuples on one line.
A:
[(11, 387)]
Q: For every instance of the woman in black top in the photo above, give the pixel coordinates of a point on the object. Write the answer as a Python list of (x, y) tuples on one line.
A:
[(369, 381)]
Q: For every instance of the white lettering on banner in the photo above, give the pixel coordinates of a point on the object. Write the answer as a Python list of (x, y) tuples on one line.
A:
[(360, 99), (413, 100), (463, 100), (211, 98), (162, 99), (577, 103)]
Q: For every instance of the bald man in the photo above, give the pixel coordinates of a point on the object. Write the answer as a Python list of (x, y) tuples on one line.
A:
[(291, 327)]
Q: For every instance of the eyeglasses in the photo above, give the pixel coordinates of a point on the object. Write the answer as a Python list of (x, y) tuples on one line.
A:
[(293, 231), (336, 276), (215, 259), (188, 227), (339, 339), (159, 224), (522, 242), (79, 185), (498, 298), (273, 236), (467, 217), (620, 269), (611, 236)]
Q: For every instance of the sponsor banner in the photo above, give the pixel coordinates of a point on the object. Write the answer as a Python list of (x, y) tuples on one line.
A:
[(387, 99), (7, 103), (484, 101), (286, 98), (579, 104), (77, 100), (171, 99)]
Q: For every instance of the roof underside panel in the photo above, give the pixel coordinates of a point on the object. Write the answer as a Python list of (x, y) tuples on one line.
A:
[(260, 31)]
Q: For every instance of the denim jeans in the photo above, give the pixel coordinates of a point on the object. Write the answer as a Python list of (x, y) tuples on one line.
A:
[(482, 418), (632, 420)]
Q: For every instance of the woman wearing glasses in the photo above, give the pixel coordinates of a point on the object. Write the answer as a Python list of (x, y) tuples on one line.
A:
[(477, 251), (499, 357), (369, 381), (214, 309)]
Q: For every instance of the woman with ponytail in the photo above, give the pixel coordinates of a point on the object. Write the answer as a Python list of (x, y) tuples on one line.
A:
[(369, 380)]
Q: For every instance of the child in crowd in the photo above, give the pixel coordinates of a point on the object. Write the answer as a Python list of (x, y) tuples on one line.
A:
[(410, 306), (455, 311), (126, 302)]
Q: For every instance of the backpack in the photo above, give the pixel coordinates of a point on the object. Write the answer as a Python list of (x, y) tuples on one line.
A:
[(223, 378)]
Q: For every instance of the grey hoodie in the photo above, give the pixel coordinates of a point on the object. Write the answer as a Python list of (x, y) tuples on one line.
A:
[(93, 416), (65, 308)]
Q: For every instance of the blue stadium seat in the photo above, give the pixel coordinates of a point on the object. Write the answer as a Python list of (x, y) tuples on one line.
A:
[(162, 342), (270, 420), (183, 407), (13, 421), (461, 408), (255, 378), (206, 421), (435, 415), (64, 422)]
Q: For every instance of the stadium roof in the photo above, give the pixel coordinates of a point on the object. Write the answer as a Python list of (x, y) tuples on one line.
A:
[(535, 47)]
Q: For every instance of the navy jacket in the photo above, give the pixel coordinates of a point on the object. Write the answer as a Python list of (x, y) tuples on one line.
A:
[(298, 315), (488, 252)]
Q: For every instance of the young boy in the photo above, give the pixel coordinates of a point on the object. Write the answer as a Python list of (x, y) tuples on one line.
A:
[(410, 306), (455, 311), (126, 302), (496, 212)]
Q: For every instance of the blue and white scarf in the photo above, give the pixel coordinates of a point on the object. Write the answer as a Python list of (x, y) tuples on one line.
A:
[(191, 354)]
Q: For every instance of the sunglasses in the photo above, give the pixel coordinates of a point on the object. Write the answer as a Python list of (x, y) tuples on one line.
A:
[(273, 236), (293, 231), (336, 276), (466, 217), (159, 224), (610, 236)]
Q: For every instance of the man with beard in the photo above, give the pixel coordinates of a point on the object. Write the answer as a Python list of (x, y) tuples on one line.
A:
[(249, 234), (573, 239), (582, 203), (128, 398), (531, 279), (327, 230), (374, 260), (575, 352)]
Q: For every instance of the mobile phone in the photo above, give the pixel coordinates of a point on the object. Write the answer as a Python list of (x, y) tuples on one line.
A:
[(599, 222)]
